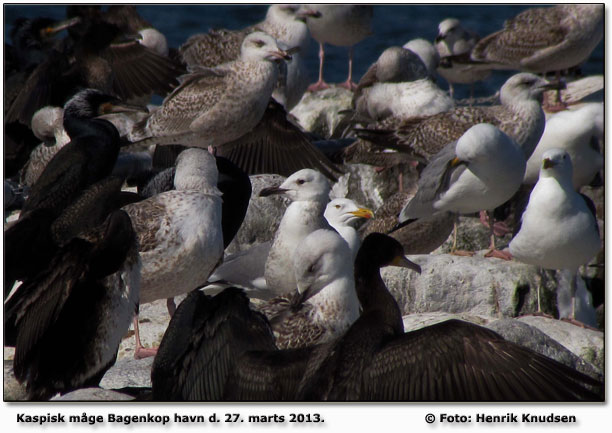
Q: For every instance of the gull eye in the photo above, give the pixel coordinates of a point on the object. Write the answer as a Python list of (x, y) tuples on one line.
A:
[(300, 181), (259, 43), (337, 206)]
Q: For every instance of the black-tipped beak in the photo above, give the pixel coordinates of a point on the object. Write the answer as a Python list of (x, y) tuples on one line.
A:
[(272, 190)]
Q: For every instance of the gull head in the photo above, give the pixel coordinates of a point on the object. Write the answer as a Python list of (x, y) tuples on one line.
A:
[(344, 211), (303, 185), (556, 163), (525, 86), (259, 46)]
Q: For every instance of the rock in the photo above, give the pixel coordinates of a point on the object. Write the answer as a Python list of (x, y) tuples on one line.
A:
[(527, 335), (518, 332), (128, 372), (93, 394), (472, 285), (318, 112), (583, 342), (13, 390), (371, 188), (472, 235), (263, 214)]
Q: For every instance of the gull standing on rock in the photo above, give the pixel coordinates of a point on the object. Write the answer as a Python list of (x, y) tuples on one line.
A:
[(213, 106), (452, 43), (179, 232), (342, 25), (480, 171), (558, 228)]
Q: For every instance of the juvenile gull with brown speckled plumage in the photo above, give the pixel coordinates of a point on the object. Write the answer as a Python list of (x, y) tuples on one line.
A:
[(213, 106), (520, 116)]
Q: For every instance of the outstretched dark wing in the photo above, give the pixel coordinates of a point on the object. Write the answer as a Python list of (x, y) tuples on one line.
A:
[(458, 361)]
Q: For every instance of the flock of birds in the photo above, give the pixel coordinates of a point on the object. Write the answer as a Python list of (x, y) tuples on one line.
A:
[(85, 252)]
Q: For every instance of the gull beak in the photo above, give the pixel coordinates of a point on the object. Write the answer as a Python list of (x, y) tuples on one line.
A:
[(280, 54), (456, 161), (363, 213), (272, 190), (292, 51), (439, 38), (403, 262), (307, 13), (548, 163)]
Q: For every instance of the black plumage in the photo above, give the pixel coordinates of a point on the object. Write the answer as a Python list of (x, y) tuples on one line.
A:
[(101, 52), (277, 145), (70, 317), (449, 361), (88, 158)]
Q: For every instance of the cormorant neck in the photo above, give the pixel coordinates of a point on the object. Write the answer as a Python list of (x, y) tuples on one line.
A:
[(374, 295)]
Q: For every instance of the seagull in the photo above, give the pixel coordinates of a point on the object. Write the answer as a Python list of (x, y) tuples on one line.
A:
[(559, 227), (308, 191), (179, 233), (284, 22), (544, 39), (426, 52), (520, 116), (341, 213), (452, 43), (450, 361), (578, 130), (325, 304), (213, 106), (246, 269), (340, 25), (398, 84), (480, 171), (373, 360)]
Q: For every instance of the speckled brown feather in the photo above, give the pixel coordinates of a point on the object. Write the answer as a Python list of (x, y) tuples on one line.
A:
[(147, 217)]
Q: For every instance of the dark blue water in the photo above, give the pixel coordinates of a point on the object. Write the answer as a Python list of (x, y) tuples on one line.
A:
[(392, 25)]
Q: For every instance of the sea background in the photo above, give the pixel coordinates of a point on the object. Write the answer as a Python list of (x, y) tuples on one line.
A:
[(392, 25)]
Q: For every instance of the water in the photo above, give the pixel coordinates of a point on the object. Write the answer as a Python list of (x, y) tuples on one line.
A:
[(392, 25)]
